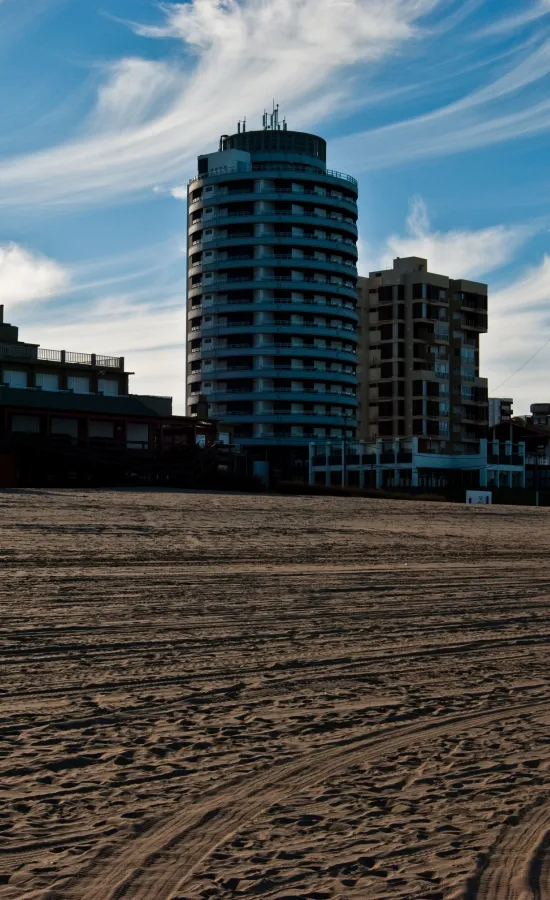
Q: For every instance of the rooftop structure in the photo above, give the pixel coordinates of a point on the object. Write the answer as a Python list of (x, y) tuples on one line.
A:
[(500, 410)]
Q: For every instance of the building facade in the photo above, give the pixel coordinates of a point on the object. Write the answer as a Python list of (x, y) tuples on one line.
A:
[(419, 359), (500, 410), (536, 439), (271, 299), (403, 464), (540, 414), (68, 417)]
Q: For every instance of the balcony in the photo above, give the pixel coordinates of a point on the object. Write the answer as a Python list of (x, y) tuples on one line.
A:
[(234, 195), (275, 280), (244, 168), (503, 459), (343, 332), (307, 218), (343, 267), (284, 349), (271, 371), (291, 395), (32, 353)]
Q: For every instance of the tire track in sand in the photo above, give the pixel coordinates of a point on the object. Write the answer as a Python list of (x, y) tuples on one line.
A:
[(161, 861), (518, 865)]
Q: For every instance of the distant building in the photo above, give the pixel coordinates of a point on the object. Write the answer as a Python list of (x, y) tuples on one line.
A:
[(404, 464), (536, 440), (419, 359), (540, 413), (500, 410)]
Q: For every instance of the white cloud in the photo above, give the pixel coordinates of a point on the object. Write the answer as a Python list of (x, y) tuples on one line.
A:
[(147, 327), (459, 254), (26, 276), (134, 90), (180, 193), (505, 109), (519, 325), (244, 54)]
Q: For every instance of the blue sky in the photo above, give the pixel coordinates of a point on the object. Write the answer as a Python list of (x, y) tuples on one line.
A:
[(440, 108)]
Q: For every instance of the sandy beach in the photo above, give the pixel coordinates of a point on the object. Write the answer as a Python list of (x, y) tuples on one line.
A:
[(216, 696)]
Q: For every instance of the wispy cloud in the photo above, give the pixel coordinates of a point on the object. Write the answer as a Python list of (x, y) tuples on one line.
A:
[(524, 17), (238, 55), (504, 109), (460, 254), (134, 91), (26, 276), (519, 324)]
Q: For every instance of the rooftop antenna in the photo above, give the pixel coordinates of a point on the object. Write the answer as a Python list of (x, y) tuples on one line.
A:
[(271, 120), (244, 124)]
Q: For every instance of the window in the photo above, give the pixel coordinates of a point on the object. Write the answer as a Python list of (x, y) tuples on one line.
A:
[(108, 386), (26, 424), (64, 426), (80, 384), (103, 430), (15, 379), (137, 436), (48, 381)]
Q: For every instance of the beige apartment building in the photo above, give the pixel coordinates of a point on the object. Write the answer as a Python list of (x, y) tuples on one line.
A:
[(418, 372)]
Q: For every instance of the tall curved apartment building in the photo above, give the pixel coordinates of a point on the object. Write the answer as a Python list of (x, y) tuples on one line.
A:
[(272, 289)]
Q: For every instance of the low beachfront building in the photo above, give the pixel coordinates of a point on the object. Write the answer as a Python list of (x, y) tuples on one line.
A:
[(68, 417), (404, 464)]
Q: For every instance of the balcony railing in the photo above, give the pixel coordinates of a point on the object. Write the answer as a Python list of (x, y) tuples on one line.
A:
[(259, 261), (268, 327), (221, 195), (281, 237), (266, 214), (267, 167), (286, 301), (30, 353)]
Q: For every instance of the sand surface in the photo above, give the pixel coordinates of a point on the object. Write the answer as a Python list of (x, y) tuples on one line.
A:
[(214, 696)]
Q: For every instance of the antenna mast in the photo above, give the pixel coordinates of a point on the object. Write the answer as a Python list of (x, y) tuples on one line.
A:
[(271, 120)]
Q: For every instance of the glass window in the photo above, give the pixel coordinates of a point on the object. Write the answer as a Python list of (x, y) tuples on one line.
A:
[(80, 384), (101, 430), (48, 381), (64, 426), (137, 436), (108, 386), (26, 424), (15, 379)]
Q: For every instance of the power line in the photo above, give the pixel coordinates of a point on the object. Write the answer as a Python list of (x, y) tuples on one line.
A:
[(521, 367)]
